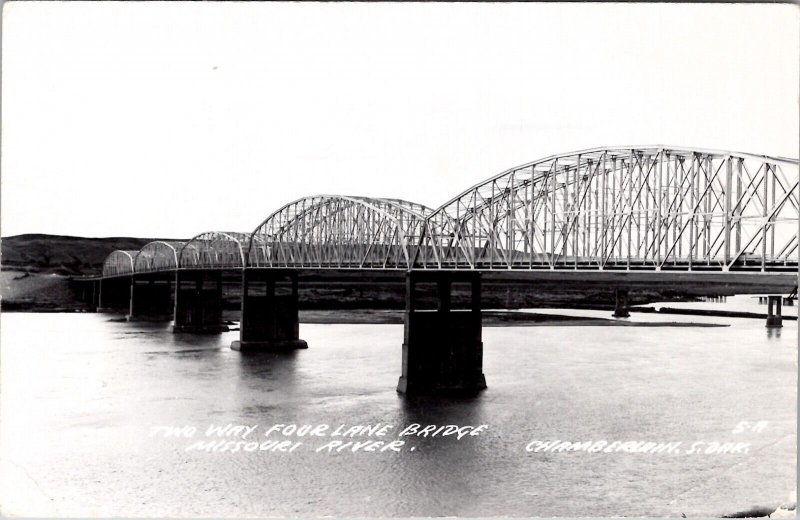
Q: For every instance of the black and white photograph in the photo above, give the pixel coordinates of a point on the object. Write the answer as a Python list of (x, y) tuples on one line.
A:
[(399, 259)]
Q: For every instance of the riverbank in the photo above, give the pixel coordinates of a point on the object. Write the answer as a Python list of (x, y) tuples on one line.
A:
[(491, 318), (61, 254), (30, 291), (25, 291), (36, 269)]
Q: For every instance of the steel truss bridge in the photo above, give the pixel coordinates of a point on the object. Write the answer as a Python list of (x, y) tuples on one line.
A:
[(620, 219), (652, 208)]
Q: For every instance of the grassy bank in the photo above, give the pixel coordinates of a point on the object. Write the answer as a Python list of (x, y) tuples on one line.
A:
[(63, 255)]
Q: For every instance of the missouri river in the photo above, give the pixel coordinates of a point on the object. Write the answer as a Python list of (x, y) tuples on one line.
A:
[(101, 417)]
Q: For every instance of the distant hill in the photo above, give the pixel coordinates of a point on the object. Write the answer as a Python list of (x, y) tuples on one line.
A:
[(64, 255)]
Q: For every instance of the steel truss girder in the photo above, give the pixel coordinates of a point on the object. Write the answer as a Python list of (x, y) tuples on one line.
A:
[(633, 207), (214, 249), (119, 262), (651, 207), (157, 256), (339, 231)]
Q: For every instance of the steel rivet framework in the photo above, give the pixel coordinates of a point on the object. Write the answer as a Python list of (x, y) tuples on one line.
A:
[(344, 232), (622, 208)]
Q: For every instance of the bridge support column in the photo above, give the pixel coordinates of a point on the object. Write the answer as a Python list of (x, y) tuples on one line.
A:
[(150, 300), (101, 298), (442, 348), (269, 320), (111, 294), (99, 305), (90, 296), (198, 302), (774, 320), (621, 305)]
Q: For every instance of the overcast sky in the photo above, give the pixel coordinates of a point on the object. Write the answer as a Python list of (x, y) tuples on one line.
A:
[(167, 120)]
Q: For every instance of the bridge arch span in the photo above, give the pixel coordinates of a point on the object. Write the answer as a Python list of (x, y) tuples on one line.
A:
[(214, 249), (649, 207), (157, 256), (119, 262), (339, 231)]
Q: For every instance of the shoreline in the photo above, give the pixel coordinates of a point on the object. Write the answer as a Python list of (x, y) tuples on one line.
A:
[(491, 318), (23, 291)]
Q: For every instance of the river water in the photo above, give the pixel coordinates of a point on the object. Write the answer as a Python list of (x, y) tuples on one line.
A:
[(82, 393)]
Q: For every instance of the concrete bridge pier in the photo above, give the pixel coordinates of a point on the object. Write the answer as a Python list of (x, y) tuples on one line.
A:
[(774, 320), (98, 298), (89, 293), (269, 318), (621, 305), (150, 299), (198, 302), (111, 294), (97, 295), (442, 347)]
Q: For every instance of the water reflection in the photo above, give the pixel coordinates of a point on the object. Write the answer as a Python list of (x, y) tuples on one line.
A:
[(267, 367), (441, 410), (438, 411), (774, 333), (265, 381), (80, 394), (195, 341)]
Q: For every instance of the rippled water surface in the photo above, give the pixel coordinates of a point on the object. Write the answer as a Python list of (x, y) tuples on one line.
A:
[(80, 393)]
